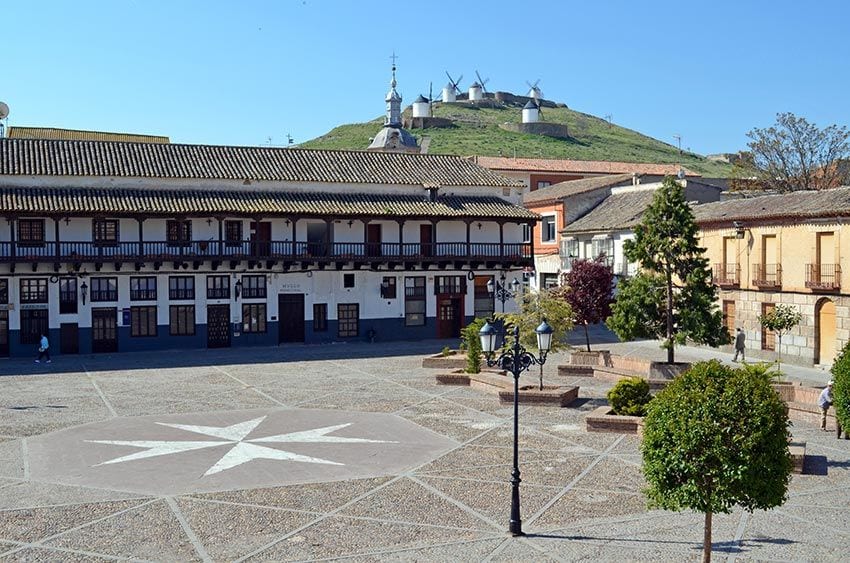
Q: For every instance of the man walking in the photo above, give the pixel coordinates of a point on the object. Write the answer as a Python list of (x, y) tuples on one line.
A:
[(824, 402), (43, 349), (740, 339)]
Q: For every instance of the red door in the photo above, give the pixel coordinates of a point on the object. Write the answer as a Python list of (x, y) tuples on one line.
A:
[(449, 316), (426, 240), (373, 240), (261, 236)]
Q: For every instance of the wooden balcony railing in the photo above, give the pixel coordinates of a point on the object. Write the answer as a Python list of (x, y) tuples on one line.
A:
[(726, 275), (823, 277), (767, 276), (152, 251)]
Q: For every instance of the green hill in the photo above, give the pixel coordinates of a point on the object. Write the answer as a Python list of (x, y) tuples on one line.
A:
[(476, 131)]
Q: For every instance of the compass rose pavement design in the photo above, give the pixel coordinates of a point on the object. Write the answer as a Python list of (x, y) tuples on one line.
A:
[(174, 454)]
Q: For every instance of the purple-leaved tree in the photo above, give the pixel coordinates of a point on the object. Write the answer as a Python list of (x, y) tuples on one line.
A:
[(590, 284)]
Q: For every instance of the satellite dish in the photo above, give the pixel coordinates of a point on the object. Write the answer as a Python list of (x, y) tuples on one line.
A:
[(4, 110)]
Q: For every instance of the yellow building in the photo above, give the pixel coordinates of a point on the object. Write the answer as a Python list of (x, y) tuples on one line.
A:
[(787, 248)]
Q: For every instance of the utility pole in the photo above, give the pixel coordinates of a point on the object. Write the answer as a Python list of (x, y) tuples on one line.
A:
[(679, 141)]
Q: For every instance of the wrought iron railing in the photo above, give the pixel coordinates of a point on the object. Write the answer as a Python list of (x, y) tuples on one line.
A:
[(767, 275), (823, 277), (726, 275)]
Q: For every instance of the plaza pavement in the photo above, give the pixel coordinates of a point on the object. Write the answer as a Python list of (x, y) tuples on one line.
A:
[(401, 470)]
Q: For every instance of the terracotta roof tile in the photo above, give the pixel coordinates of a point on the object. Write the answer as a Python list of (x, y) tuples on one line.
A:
[(794, 205), (617, 212), (574, 187), (579, 166), (77, 135), (37, 157)]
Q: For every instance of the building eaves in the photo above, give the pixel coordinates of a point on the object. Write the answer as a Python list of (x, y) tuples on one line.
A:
[(579, 166), (789, 206), (617, 212)]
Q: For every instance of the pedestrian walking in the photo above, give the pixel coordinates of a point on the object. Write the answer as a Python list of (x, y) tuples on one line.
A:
[(740, 339), (43, 349), (824, 402)]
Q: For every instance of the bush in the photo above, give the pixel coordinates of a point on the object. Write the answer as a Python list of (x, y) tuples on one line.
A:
[(446, 352), (841, 387), (630, 397), (473, 345)]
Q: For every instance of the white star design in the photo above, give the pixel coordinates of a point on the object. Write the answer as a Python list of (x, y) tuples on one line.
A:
[(243, 450)]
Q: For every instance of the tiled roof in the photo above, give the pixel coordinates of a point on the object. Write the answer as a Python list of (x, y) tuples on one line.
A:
[(617, 212), (128, 201), (793, 205), (573, 187), (38, 157), (76, 135), (579, 166)]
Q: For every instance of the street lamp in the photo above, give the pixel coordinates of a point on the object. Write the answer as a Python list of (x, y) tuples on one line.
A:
[(501, 291), (515, 360)]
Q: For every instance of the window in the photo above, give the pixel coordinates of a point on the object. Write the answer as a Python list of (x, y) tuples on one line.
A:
[(34, 323), (768, 337), (105, 232), (543, 184), (104, 289), (548, 281), (526, 232), (4, 291), (485, 304), (34, 290), (178, 233), (348, 280), (602, 247), (181, 320), (143, 289), (233, 233), (181, 287), (253, 317), (348, 318), (31, 232), (67, 296), (254, 287), (450, 284), (388, 287), (547, 233), (320, 317), (414, 301), (143, 321), (218, 287)]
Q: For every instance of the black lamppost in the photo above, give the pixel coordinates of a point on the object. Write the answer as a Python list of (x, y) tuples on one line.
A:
[(515, 360), (501, 291)]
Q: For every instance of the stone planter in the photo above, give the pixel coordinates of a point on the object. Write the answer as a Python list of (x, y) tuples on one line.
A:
[(602, 420), (550, 395), (570, 370), (592, 358), (456, 360), (663, 370)]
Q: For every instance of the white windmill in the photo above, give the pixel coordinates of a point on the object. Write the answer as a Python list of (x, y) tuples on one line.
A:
[(4, 113), (478, 89), (534, 92), (452, 89)]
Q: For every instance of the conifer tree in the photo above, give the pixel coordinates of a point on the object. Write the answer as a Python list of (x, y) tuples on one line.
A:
[(672, 298)]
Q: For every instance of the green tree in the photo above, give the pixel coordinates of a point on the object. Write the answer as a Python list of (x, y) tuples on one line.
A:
[(672, 298), (841, 388), (472, 345), (533, 308), (716, 437), (781, 319)]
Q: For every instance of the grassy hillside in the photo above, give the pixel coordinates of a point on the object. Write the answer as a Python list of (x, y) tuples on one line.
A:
[(477, 132)]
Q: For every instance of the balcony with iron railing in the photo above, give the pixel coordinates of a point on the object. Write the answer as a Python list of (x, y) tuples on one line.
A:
[(162, 251), (726, 275), (767, 276), (823, 277)]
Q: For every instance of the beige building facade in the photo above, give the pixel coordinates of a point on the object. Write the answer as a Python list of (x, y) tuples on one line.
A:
[(791, 249)]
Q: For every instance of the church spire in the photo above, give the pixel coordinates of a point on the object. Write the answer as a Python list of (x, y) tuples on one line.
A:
[(393, 118)]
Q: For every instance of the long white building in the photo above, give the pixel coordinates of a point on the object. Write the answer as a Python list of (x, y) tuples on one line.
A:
[(118, 246)]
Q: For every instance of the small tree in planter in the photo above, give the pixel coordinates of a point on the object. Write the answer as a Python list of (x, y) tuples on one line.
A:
[(533, 308), (714, 438), (841, 389), (630, 397), (472, 345), (590, 284), (781, 319)]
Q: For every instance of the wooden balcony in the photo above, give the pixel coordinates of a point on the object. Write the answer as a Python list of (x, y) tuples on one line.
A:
[(158, 252), (823, 277), (767, 276), (726, 275)]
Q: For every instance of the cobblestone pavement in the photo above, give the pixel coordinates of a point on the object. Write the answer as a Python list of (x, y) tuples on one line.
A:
[(580, 492)]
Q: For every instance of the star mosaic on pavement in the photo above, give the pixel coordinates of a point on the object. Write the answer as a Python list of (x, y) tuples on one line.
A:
[(242, 450)]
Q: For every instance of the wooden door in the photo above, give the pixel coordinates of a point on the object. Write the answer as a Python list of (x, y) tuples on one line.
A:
[(104, 330), (729, 318), (218, 326), (426, 240), (770, 268), (449, 317), (69, 338), (826, 332), (4, 333), (373, 239), (261, 236), (290, 314)]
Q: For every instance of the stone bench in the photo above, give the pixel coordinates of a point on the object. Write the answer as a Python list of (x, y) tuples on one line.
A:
[(798, 455), (570, 370)]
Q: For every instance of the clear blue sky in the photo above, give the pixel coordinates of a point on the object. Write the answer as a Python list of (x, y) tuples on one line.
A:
[(217, 72)]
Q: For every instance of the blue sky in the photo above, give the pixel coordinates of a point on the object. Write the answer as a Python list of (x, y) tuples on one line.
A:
[(241, 72)]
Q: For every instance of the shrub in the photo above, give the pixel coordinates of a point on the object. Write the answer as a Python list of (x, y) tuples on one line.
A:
[(630, 397), (446, 352), (841, 387), (473, 345), (761, 369)]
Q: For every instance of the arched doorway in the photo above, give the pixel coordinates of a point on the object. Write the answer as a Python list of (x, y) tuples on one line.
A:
[(825, 331)]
